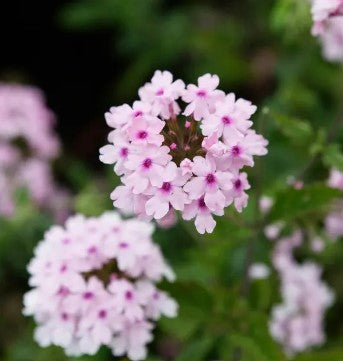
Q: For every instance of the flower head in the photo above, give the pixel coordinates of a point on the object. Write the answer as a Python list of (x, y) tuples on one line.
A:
[(328, 26), (94, 284), (297, 323), (169, 162), (28, 144)]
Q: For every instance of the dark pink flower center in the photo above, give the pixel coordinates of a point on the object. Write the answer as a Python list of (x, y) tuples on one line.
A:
[(156, 295), (123, 245), (166, 187), (66, 241), (63, 268), (92, 250), (201, 203), (137, 113), (147, 163), (226, 120), (63, 291), (102, 314), (129, 295), (142, 134), (88, 295), (160, 92), (236, 150), (210, 178), (65, 316), (237, 184), (201, 93), (124, 152)]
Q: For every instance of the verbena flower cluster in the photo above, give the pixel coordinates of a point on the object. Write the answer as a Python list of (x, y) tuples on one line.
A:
[(27, 146), (328, 25), (94, 283), (297, 323), (334, 220), (190, 163)]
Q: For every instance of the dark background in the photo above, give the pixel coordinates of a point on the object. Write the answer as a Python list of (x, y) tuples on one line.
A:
[(71, 68)]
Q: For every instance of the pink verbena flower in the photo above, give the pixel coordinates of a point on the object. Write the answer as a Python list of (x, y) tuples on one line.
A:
[(162, 94), (28, 144), (190, 164), (333, 221), (328, 25), (202, 98), (297, 323), (94, 283), (24, 114)]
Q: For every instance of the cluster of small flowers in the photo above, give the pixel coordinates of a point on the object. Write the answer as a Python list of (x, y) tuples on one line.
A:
[(297, 323), (334, 220), (191, 165), (94, 284), (328, 25), (27, 145)]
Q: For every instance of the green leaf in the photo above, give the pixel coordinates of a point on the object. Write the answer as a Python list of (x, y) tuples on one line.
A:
[(196, 351), (293, 203), (332, 355), (249, 347), (333, 157), (297, 130)]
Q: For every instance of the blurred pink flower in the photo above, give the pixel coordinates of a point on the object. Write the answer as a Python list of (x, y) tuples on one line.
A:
[(28, 144), (328, 26), (94, 283), (297, 323)]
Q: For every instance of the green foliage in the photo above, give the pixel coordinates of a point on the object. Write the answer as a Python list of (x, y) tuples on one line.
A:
[(291, 204), (333, 157)]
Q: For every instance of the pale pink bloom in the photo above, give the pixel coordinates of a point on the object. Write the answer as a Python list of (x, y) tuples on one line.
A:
[(322, 11), (328, 26), (132, 340), (208, 183), (170, 192), (204, 221), (144, 131), (158, 301), (148, 168), (230, 118), (116, 153), (273, 230), (162, 94), (168, 221), (259, 271), (36, 176), (332, 40), (334, 223), (297, 323), (240, 150), (123, 116), (166, 163), (317, 245), (336, 179), (24, 116), (94, 283), (202, 98), (237, 193), (266, 204)]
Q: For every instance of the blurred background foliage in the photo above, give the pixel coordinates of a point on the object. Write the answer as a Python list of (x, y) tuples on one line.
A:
[(99, 53)]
